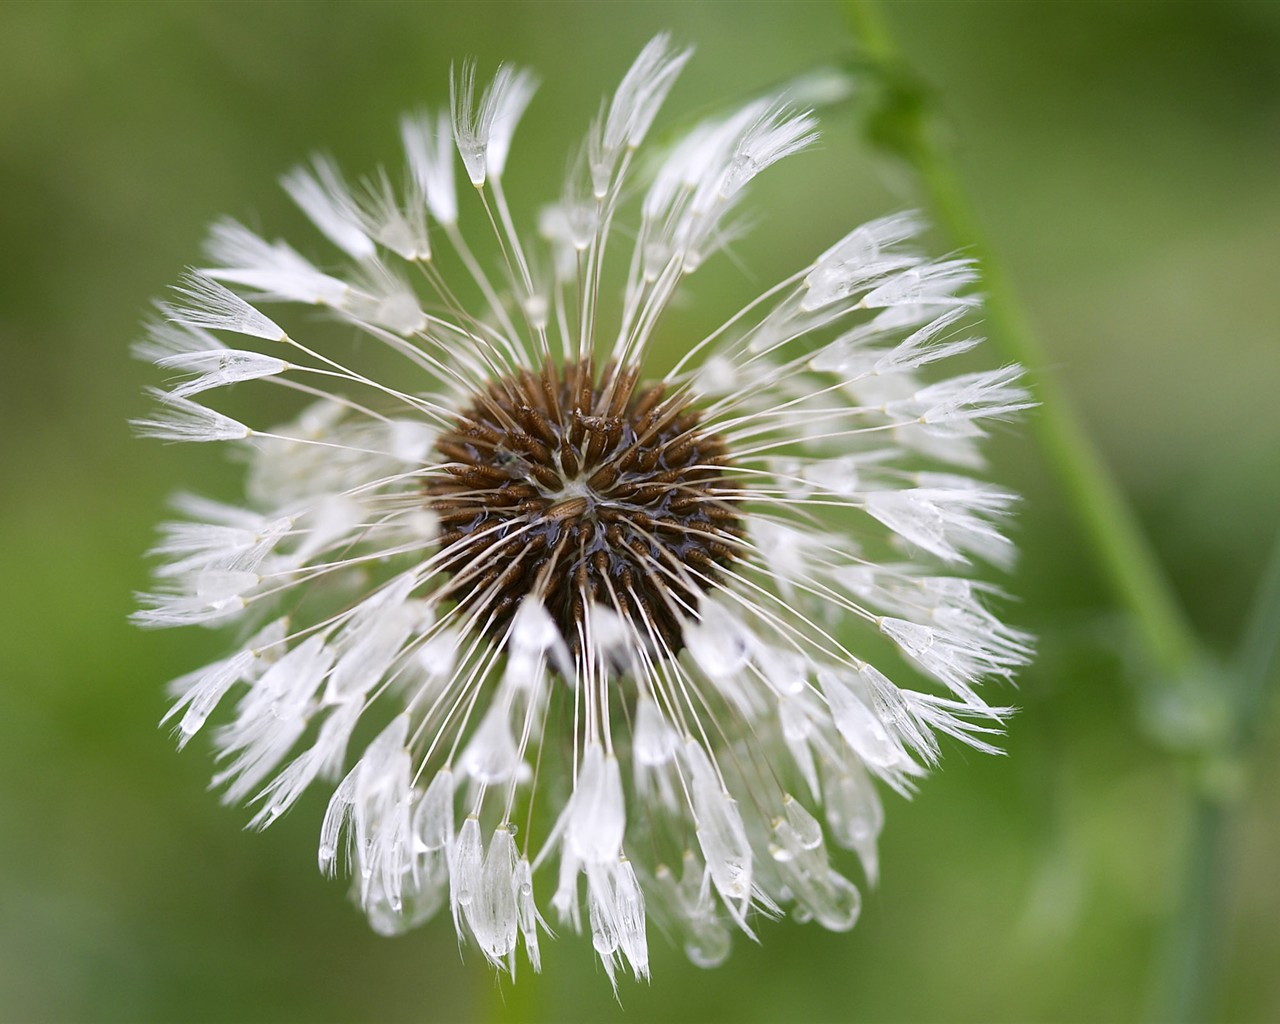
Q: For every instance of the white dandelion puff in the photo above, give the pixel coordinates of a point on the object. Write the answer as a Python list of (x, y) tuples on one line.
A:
[(180, 419), (607, 621), (209, 305), (323, 195), (483, 129), (272, 271), (429, 149), (398, 223)]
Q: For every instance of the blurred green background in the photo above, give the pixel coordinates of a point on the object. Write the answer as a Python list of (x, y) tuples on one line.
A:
[(1126, 161)]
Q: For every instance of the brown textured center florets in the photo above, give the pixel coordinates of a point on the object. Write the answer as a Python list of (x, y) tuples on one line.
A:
[(582, 489)]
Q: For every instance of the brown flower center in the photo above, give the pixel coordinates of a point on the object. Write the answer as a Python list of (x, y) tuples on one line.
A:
[(582, 490)]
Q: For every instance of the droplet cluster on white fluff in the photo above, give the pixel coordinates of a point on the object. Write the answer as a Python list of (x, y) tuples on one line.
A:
[(703, 786)]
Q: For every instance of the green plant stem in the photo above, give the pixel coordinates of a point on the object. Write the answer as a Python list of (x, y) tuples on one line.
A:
[(1259, 653), (1194, 956), (906, 126), (1188, 985)]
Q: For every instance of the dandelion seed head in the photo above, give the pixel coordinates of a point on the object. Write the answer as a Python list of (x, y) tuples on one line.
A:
[(607, 620), (581, 487)]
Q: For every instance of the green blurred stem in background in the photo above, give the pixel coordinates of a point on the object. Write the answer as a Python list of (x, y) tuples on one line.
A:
[(1194, 954), (901, 119)]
